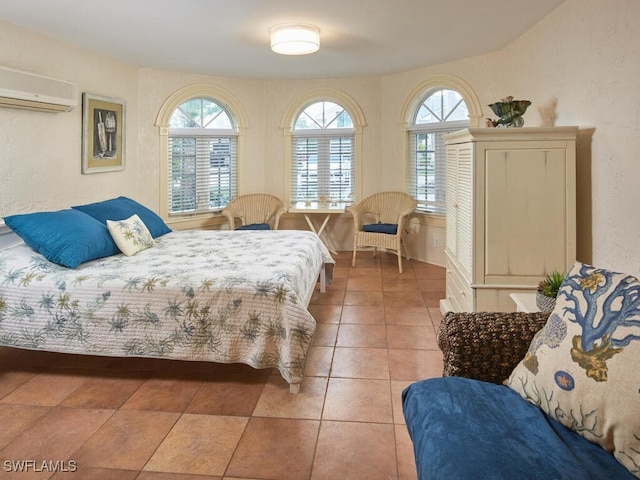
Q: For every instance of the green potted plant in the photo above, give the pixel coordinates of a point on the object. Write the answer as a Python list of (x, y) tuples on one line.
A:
[(548, 291)]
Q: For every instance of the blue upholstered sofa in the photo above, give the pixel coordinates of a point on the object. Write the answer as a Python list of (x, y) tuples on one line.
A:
[(467, 425)]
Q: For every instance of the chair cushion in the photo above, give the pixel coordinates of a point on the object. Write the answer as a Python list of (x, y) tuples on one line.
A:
[(390, 228), (583, 367), (255, 226), (463, 428)]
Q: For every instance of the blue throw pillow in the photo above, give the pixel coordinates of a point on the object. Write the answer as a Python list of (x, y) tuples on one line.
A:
[(390, 228), (255, 226), (65, 237), (122, 208)]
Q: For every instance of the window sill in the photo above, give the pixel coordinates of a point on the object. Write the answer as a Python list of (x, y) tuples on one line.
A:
[(430, 219)]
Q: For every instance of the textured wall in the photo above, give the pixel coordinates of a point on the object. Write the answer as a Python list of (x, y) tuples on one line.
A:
[(40, 153), (587, 56)]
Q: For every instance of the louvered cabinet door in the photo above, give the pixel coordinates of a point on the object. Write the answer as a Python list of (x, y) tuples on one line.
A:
[(459, 225)]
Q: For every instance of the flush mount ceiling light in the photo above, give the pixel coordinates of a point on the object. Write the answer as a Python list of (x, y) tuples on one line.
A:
[(295, 39)]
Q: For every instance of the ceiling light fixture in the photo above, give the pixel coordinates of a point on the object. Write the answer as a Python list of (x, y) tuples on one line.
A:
[(295, 39)]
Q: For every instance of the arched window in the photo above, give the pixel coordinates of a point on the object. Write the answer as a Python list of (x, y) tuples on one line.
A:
[(202, 157), (440, 112), (323, 161)]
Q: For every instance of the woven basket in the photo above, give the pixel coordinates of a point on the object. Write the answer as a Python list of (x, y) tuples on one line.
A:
[(544, 303)]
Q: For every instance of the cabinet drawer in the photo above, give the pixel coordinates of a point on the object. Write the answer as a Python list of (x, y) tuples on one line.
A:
[(459, 292)]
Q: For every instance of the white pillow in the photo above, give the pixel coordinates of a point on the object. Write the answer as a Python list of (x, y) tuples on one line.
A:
[(131, 235)]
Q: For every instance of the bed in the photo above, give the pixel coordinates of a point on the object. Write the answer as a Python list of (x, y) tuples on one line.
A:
[(218, 296)]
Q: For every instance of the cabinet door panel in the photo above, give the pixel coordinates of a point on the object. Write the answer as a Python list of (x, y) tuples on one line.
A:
[(525, 207)]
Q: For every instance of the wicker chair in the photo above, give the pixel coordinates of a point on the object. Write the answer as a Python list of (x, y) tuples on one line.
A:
[(486, 345), (256, 211), (389, 211)]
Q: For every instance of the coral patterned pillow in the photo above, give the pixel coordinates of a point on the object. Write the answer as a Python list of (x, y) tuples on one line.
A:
[(131, 235), (583, 367)]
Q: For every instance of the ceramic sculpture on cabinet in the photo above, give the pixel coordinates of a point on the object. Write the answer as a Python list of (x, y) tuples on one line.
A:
[(509, 111)]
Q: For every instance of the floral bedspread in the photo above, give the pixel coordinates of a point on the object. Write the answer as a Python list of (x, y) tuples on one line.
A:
[(215, 296)]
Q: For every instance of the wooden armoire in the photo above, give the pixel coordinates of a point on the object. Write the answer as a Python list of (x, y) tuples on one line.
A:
[(510, 213)]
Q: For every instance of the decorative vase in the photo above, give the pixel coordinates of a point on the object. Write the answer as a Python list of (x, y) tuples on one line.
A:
[(544, 303), (510, 112)]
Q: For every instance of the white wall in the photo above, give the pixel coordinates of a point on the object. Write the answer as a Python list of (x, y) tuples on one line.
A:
[(586, 54)]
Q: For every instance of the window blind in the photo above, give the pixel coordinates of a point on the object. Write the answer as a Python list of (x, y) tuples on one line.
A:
[(426, 166), (201, 172), (322, 166), (441, 112)]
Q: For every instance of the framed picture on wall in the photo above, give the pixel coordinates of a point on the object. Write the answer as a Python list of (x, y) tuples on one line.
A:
[(103, 134)]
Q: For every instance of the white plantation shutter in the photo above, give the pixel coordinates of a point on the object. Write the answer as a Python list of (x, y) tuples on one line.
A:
[(323, 161), (202, 173), (441, 112), (202, 158), (322, 166), (427, 169)]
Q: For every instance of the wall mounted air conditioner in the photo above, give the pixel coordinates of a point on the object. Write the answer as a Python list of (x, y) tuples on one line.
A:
[(35, 92)]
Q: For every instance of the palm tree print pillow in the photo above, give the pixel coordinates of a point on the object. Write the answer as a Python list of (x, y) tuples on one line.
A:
[(131, 235), (583, 367)]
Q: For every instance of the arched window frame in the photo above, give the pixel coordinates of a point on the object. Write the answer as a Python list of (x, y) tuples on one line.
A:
[(410, 109), (293, 112), (239, 119)]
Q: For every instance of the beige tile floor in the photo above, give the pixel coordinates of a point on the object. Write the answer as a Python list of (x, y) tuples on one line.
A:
[(151, 419)]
